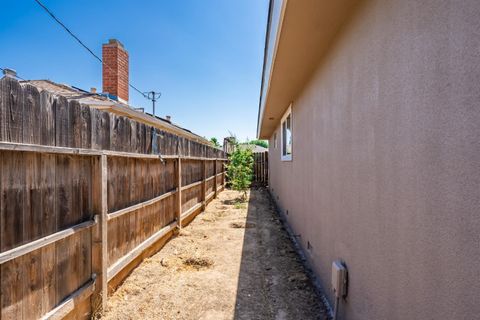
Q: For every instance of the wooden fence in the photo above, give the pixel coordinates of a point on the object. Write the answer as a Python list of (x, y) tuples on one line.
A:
[(260, 168), (85, 196)]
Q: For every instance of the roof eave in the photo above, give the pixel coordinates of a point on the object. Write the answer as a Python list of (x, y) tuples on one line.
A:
[(305, 32)]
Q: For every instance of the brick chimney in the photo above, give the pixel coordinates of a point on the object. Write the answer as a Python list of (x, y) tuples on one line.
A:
[(115, 70)]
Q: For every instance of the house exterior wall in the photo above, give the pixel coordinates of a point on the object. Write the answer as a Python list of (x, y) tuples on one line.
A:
[(386, 161)]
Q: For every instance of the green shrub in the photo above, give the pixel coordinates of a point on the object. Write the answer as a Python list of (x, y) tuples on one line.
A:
[(240, 170)]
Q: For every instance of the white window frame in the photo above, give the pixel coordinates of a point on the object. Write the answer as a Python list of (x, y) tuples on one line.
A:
[(287, 113)]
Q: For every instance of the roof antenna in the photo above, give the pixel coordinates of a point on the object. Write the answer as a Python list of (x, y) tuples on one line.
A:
[(154, 96)]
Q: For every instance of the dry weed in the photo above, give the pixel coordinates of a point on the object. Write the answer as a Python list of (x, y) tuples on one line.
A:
[(242, 224), (198, 263)]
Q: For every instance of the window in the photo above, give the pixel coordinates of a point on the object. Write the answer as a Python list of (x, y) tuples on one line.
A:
[(286, 134), (275, 140)]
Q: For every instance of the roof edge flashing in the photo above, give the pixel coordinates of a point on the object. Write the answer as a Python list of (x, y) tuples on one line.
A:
[(275, 18)]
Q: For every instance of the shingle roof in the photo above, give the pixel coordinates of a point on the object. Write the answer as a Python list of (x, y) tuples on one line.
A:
[(255, 148)]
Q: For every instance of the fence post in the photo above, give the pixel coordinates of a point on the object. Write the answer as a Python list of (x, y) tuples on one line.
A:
[(255, 167), (215, 179), (263, 167), (204, 184), (179, 193), (266, 168), (224, 173), (257, 164), (99, 249)]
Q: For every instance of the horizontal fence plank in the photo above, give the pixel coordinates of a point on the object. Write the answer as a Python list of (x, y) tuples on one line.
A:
[(141, 205), (191, 185), (204, 159), (42, 242), (12, 146), (211, 194), (157, 156), (69, 304), (191, 210), (137, 251), (138, 155)]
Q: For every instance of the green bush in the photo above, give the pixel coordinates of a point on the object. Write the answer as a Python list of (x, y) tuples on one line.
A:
[(240, 170)]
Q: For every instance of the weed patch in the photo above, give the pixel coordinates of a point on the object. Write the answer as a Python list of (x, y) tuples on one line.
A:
[(198, 263)]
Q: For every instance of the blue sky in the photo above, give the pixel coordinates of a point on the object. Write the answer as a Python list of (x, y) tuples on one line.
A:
[(205, 56)]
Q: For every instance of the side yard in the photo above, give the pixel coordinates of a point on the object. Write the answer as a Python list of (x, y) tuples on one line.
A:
[(235, 261)]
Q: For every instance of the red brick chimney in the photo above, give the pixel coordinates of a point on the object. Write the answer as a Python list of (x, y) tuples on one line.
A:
[(115, 70)]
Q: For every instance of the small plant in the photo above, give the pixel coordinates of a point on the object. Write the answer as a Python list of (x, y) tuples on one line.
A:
[(239, 205), (240, 170)]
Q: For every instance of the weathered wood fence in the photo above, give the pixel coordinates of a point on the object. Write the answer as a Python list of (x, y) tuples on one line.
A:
[(84, 200), (260, 167)]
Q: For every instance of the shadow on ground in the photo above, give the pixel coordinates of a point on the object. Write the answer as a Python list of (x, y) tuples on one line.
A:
[(272, 283)]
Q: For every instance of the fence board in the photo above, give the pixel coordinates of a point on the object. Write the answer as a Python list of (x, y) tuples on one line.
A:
[(12, 110), (47, 119), (31, 115), (49, 272), (13, 194), (63, 199), (62, 132), (100, 129), (148, 139), (85, 127), (85, 256), (64, 248), (11, 288), (3, 108), (33, 198)]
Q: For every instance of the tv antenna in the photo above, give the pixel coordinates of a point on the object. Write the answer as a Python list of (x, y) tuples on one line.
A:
[(154, 96)]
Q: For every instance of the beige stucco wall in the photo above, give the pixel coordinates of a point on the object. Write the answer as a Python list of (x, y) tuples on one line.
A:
[(386, 161)]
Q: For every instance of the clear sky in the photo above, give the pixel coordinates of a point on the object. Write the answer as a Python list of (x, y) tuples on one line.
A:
[(205, 56)]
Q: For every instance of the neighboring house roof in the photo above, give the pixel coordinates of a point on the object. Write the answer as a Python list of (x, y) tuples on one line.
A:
[(299, 33), (103, 102), (255, 148)]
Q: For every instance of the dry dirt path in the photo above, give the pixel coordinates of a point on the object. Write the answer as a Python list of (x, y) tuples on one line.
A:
[(232, 262)]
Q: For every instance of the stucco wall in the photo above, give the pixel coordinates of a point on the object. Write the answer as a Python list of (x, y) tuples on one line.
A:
[(386, 161)]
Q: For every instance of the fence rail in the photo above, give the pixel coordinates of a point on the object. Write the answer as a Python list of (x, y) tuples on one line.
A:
[(83, 200)]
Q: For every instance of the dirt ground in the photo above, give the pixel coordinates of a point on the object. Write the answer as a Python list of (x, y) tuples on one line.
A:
[(235, 261)]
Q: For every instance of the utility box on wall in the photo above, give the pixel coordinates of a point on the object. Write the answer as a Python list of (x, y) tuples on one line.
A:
[(339, 279)]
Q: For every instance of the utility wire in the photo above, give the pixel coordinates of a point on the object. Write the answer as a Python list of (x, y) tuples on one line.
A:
[(81, 43)]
